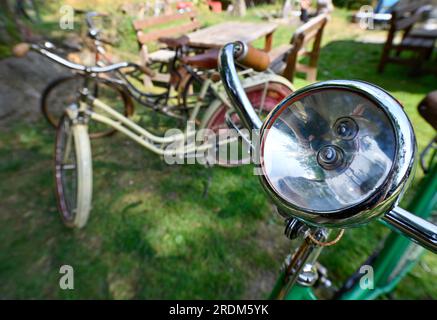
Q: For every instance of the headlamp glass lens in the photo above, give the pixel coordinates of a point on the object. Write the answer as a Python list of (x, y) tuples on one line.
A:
[(328, 150)]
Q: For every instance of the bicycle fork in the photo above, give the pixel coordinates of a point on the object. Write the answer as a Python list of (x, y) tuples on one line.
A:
[(301, 266)]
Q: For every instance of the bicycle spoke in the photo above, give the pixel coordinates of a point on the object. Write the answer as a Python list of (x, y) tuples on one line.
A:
[(263, 99), (71, 166), (68, 147)]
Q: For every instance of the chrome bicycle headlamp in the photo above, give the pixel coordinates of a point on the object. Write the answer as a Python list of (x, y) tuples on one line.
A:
[(337, 153)]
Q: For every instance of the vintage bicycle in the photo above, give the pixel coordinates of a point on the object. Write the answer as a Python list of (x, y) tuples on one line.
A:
[(62, 91), (334, 155), (73, 162), (178, 96)]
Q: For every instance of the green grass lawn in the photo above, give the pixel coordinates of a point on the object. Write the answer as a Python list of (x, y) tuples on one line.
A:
[(152, 234)]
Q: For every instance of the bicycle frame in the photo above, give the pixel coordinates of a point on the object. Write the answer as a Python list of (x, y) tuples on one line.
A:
[(158, 144), (145, 138), (144, 98)]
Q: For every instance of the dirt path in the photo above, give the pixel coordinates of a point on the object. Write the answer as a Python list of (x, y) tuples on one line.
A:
[(22, 81)]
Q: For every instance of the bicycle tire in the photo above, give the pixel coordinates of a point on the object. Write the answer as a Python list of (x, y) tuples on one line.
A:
[(74, 205), (188, 84)]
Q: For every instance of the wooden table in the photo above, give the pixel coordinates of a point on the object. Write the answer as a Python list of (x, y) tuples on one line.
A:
[(220, 34)]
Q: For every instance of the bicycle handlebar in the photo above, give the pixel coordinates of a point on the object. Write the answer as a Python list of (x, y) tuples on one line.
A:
[(413, 227)]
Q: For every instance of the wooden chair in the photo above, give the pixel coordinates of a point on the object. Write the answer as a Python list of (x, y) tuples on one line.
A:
[(181, 23), (285, 58), (404, 17)]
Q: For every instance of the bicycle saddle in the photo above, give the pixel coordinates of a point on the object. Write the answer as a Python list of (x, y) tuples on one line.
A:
[(206, 60), (428, 108), (174, 43)]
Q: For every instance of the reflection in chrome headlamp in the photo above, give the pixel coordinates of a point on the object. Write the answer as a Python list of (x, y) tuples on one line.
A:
[(331, 155)]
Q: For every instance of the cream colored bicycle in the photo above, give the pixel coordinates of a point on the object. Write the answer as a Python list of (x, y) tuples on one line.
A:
[(213, 111)]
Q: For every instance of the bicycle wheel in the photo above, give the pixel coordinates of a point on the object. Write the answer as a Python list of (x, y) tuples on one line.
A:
[(64, 91), (263, 100), (73, 172)]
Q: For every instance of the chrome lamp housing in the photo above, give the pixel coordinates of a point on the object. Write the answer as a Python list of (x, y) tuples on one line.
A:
[(337, 153)]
